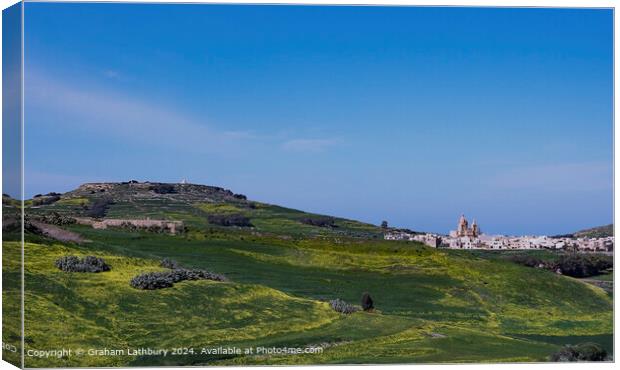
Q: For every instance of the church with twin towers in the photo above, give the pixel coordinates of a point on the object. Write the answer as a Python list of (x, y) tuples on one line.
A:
[(463, 229)]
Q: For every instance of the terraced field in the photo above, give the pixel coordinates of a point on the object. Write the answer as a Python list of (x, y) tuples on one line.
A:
[(431, 305)]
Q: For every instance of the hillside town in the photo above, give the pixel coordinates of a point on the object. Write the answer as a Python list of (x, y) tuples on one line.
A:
[(471, 237)]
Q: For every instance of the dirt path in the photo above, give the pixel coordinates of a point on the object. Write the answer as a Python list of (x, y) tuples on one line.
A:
[(55, 232)]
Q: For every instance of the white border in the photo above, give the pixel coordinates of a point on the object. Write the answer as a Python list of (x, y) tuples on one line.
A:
[(429, 3), (470, 3)]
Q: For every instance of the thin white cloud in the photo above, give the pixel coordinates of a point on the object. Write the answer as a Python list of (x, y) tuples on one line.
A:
[(110, 73), (309, 145), (120, 115)]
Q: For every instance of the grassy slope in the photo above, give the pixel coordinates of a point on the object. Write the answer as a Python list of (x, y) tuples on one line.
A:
[(604, 277), (102, 310), (276, 298), (11, 281), (11, 299), (282, 273)]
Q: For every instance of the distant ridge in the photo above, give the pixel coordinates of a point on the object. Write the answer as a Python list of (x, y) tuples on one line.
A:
[(596, 232)]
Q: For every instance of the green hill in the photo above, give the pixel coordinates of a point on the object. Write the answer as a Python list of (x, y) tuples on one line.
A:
[(596, 232), (200, 207), (283, 268)]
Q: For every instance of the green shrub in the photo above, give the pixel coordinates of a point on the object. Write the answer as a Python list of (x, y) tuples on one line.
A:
[(99, 208), (580, 352), (575, 264), (320, 221), (160, 280), (230, 220), (86, 264), (341, 306), (163, 188)]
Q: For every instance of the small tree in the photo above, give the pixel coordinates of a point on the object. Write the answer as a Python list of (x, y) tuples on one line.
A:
[(367, 303), (384, 224)]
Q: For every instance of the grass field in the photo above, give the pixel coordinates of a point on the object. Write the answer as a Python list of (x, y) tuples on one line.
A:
[(431, 305), (604, 277)]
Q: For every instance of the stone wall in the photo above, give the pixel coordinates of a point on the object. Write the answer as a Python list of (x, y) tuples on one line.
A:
[(173, 227)]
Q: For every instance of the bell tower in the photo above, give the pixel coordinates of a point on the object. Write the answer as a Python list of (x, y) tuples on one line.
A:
[(462, 226)]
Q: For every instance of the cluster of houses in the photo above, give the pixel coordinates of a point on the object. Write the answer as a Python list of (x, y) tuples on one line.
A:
[(465, 237)]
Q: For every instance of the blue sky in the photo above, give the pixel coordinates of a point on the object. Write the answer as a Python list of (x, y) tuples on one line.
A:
[(413, 115), (11, 107)]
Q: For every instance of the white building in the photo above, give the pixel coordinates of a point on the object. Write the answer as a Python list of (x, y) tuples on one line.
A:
[(465, 237)]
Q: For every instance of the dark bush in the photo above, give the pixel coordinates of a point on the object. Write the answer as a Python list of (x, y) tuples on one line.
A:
[(128, 226), (183, 274), (28, 227), (240, 196), (13, 224), (562, 236), (152, 280), (527, 260), (229, 220), (163, 188), (45, 200), (580, 352), (99, 208), (155, 229), (320, 221), (55, 218), (166, 279), (169, 264), (573, 264), (341, 306), (367, 303), (86, 264), (583, 265)]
